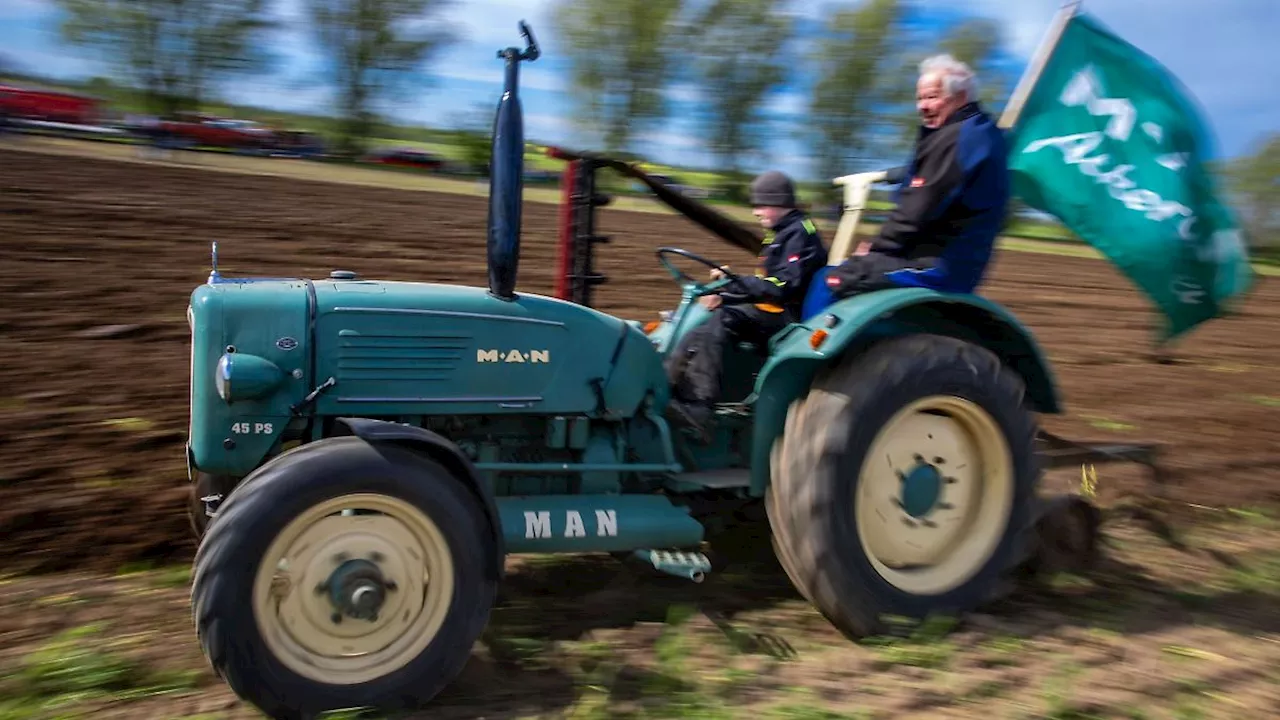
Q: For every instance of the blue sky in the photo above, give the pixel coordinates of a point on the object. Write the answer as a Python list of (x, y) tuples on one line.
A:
[(1224, 52)]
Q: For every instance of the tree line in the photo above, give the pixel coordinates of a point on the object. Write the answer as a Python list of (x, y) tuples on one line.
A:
[(624, 56)]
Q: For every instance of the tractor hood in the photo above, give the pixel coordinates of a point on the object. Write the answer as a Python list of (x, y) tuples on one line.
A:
[(396, 348)]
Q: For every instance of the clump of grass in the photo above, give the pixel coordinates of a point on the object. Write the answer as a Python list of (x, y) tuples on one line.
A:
[(76, 666), (925, 646), (1258, 574), (1003, 651)]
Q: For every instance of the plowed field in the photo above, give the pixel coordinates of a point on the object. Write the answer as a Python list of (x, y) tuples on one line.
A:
[(98, 257)]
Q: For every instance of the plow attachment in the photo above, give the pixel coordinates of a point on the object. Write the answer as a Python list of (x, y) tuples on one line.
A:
[(576, 274), (1069, 524)]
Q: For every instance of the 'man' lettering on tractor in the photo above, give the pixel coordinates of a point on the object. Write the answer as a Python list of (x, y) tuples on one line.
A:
[(513, 356), (538, 524)]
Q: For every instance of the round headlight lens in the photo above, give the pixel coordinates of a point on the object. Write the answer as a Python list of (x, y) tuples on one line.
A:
[(222, 378)]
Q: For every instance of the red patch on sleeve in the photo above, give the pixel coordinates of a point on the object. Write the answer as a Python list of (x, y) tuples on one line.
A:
[(793, 258), (917, 182)]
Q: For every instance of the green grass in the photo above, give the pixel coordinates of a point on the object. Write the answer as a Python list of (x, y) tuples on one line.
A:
[(77, 667)]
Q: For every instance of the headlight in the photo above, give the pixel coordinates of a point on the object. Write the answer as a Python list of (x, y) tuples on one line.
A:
[(222, 378), (241, 376)]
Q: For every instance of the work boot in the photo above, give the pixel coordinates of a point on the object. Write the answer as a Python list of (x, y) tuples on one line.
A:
[(693, 416)]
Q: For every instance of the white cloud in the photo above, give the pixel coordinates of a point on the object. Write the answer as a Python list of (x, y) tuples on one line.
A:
[(1022, 22), (672, 140), (290, 97), (547, 127), (789, 103), (23, 9), (683, 93), (495, 22)]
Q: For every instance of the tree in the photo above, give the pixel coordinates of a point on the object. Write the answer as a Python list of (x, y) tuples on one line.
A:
[(847, 100), (174, 50), (371, 47), (974, 41), (1254, 182), (737, 61), (472, 137), (620, 55)]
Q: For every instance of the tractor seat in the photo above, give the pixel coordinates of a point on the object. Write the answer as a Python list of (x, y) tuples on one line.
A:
[(818, 297)]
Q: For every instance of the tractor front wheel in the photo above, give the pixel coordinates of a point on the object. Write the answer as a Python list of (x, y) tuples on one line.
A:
[(343, 574), (905, 483)]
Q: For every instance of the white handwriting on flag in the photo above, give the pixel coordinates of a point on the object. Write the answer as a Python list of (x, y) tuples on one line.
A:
[(1224, 249), (1085, 89), (1076, 150)]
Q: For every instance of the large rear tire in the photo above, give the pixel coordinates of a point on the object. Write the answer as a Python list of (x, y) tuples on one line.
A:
[(302, 605), (905, 483)]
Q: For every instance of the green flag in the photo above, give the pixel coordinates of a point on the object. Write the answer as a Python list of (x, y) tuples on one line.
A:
[(1111, 144)]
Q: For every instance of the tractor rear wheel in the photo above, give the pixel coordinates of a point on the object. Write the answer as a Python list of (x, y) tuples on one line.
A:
[(905, 483), (343, 574)]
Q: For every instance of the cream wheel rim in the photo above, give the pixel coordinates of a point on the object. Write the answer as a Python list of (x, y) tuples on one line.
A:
[(317, 571), (934, 494)]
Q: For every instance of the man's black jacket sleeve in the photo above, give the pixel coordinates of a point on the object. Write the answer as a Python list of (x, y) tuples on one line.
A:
[(796, 251), (936, 182)]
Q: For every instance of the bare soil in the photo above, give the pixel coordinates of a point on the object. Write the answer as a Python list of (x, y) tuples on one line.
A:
[(97, 259)]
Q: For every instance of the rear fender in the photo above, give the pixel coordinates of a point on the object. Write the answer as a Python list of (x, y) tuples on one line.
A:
[(438, 448), (855, 323)]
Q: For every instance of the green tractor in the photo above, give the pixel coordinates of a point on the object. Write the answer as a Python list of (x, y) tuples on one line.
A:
[(365, 454)]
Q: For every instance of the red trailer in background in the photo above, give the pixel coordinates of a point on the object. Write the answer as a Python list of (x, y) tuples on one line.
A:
[(38, 105)]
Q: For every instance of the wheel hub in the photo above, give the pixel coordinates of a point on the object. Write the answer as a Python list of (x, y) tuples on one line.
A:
[(358, 590), (378, 584), (921, 490), (933, 496)]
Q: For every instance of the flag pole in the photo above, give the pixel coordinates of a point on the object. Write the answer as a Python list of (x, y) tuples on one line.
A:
[(1039, 59)]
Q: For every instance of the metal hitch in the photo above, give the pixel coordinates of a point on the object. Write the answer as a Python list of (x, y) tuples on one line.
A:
[(693, 566), (211, 503)]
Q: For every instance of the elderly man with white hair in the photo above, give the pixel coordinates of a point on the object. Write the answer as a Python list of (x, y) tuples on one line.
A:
[(950, 204)]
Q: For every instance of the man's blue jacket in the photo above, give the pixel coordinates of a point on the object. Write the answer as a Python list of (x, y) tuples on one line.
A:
[(950, 206)]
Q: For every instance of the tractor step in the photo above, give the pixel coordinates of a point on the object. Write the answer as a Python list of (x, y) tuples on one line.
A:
[(691, 565), (719, 479), (738, 409)]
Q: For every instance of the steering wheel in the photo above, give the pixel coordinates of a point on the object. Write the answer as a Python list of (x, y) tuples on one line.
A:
[(699, 289)]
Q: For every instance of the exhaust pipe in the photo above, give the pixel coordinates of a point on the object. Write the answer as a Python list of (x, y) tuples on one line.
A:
[(506, 174)]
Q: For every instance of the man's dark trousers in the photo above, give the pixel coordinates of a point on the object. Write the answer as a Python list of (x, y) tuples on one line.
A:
[(694, 366)]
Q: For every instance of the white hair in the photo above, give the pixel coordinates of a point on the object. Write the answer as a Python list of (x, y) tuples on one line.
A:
[(956, 76)]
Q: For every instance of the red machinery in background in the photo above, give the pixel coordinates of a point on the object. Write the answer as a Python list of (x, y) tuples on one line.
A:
[(49, 106)]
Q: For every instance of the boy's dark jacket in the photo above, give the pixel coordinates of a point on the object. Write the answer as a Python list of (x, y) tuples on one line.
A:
[(791, 254)]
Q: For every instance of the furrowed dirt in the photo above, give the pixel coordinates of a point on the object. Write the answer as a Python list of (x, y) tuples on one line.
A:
[(98, 258)]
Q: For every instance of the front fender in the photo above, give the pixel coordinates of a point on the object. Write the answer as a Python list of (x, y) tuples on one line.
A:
[(854, 323), (440, 449)]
